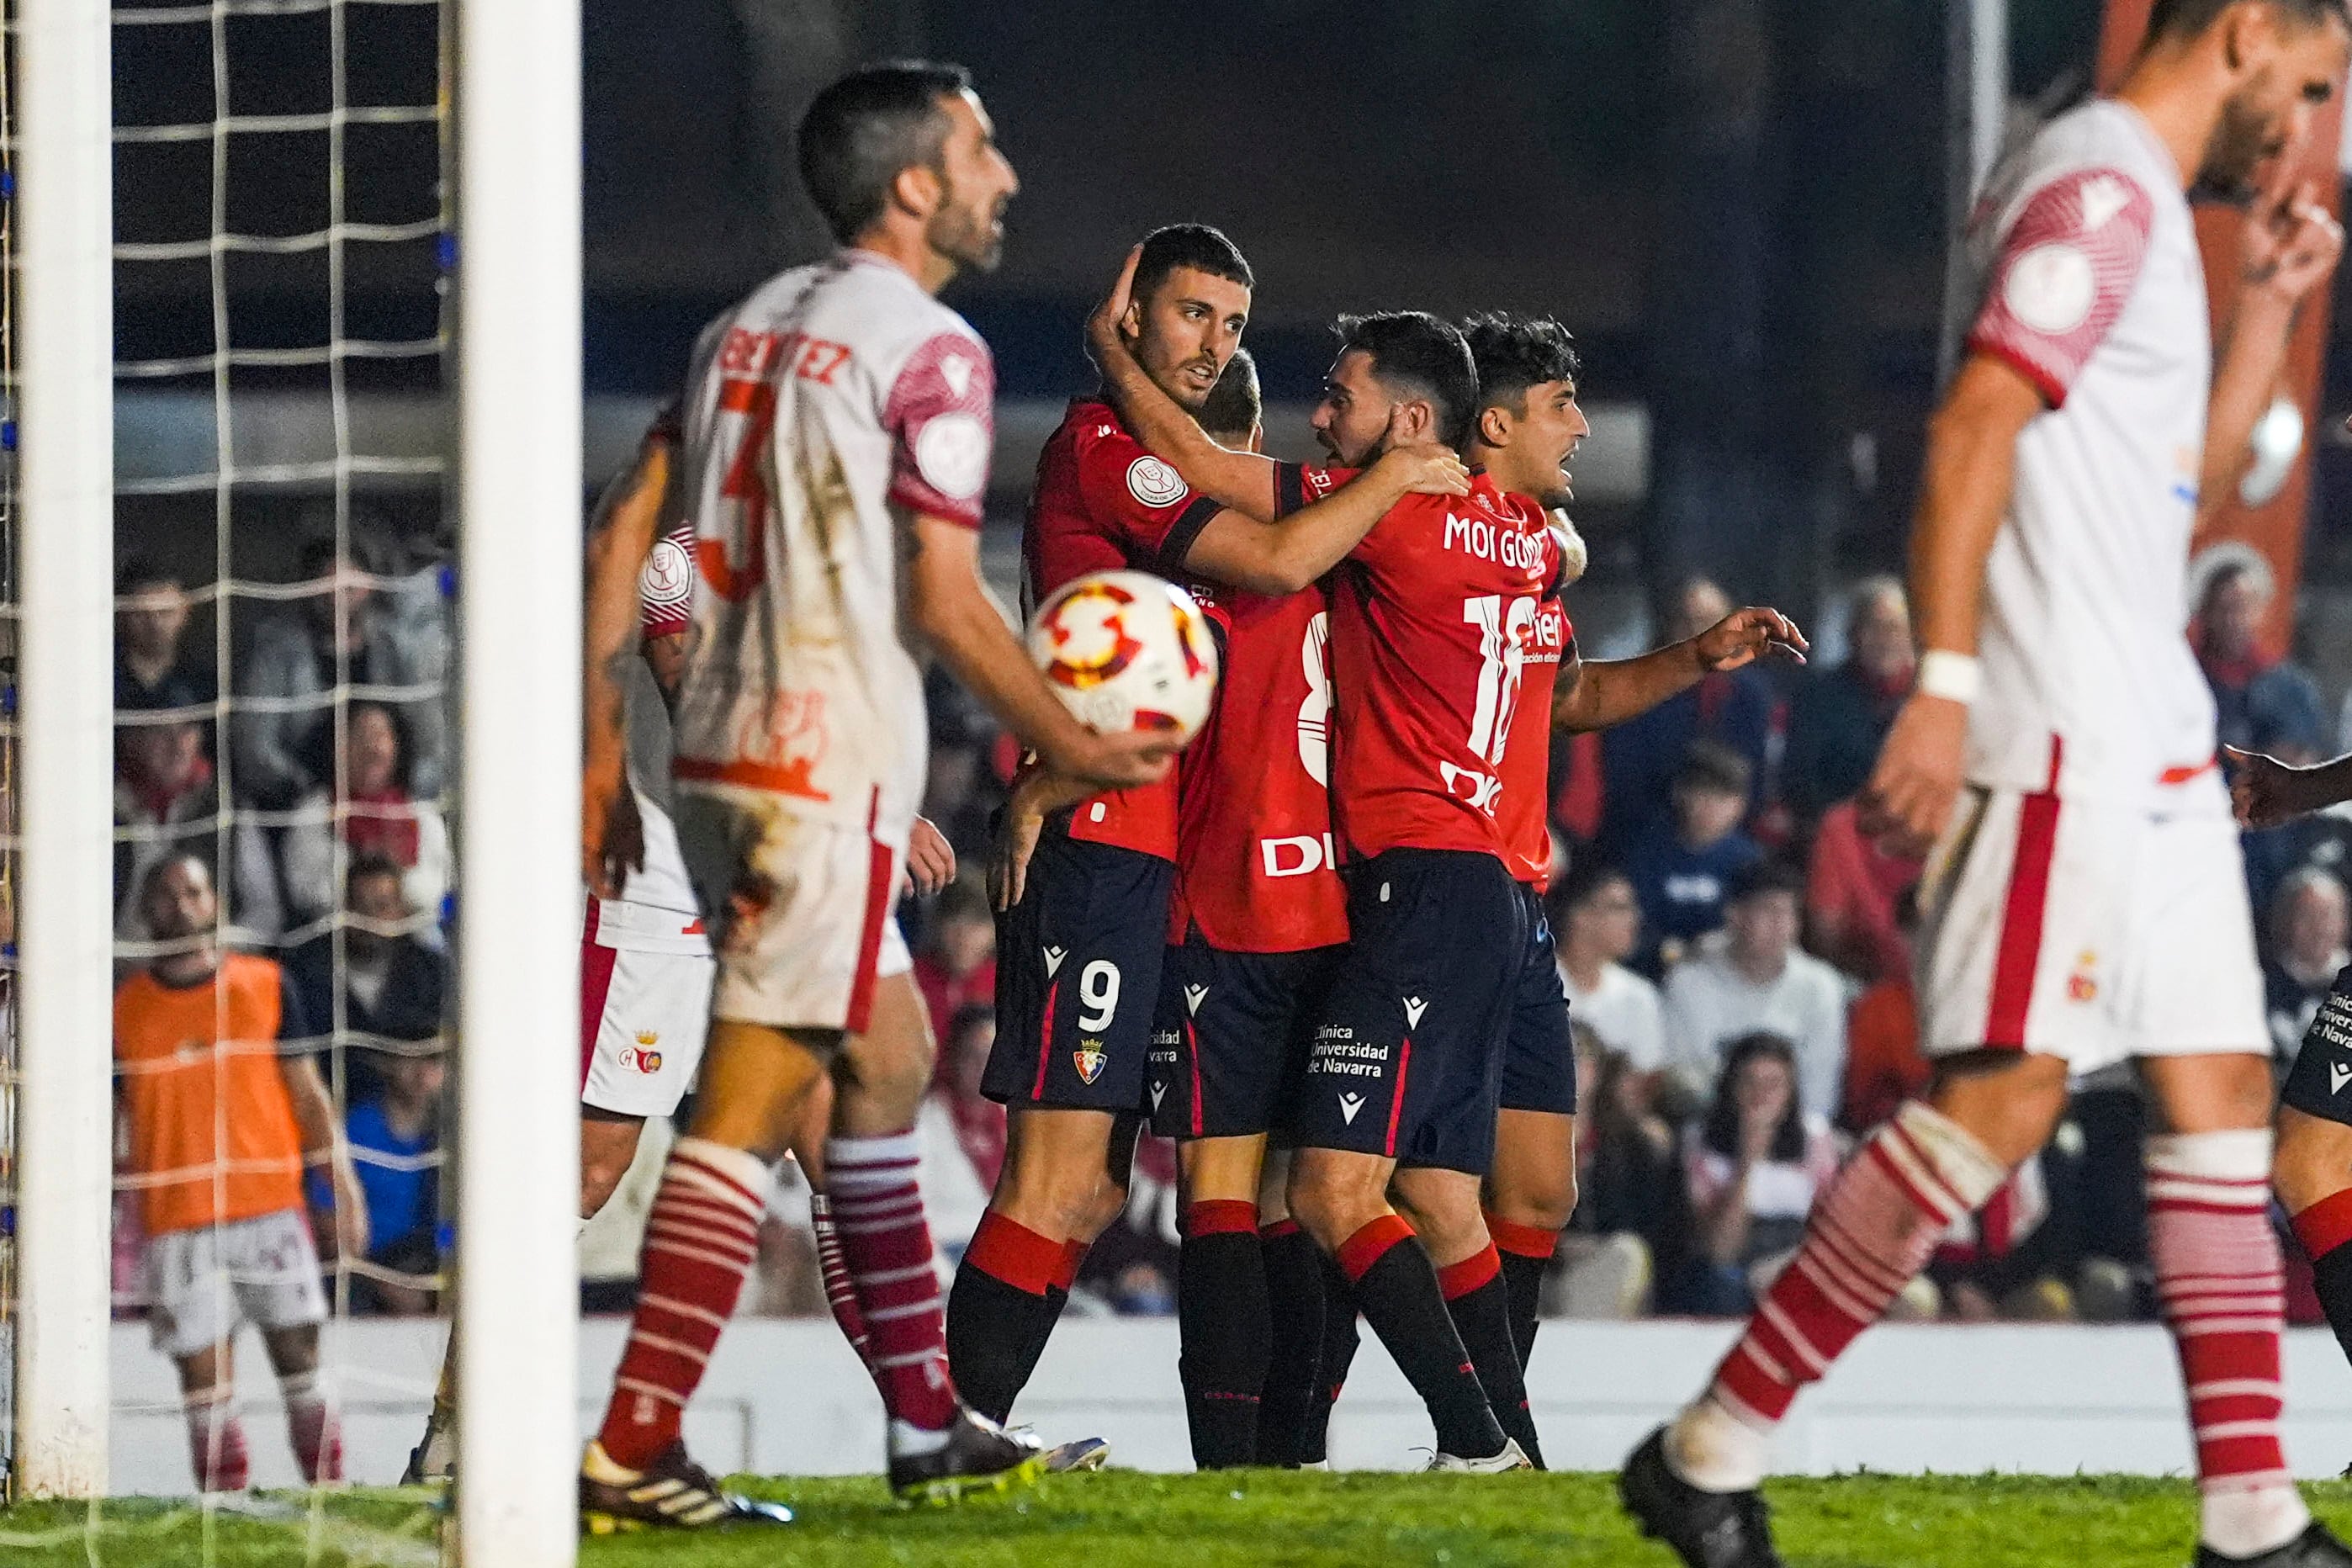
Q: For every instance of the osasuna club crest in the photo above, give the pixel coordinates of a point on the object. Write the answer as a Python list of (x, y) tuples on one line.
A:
[(1089, 1059)]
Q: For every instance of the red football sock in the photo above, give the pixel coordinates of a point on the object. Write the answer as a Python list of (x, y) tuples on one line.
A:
[(702, 1237), (878, 1209), (840, 1294), (217, 1441), (312, 1426)]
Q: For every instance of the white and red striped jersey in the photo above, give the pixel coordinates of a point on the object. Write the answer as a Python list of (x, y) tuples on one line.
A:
[(822, 413), (2085, 276)]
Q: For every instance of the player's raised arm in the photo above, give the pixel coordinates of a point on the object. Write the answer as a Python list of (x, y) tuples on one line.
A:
[(1594, 696), (1971, 464), (951, 606), (1242, 480), (628, 516)]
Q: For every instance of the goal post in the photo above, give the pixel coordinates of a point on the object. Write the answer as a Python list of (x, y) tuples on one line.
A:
[(64, 646), (520, 488)]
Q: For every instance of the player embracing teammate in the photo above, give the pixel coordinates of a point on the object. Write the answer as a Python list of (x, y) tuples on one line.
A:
[(2084, 899)]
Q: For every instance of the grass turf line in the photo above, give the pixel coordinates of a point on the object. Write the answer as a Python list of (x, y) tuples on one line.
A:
[(1127, 1520)]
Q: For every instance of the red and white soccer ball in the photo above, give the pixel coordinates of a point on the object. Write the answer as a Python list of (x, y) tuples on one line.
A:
[(1125, 650)]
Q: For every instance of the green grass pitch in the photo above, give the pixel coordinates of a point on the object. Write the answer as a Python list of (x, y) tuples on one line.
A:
[(1123, 1520)]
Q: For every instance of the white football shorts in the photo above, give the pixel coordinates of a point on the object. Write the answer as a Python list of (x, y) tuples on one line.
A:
[(799, 910), (201, 1284), (2090, 931), (644, 1012)]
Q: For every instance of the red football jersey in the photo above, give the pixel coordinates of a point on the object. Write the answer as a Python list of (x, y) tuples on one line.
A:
[(1254, 861), (1526, 767), (1104, 503), (1430, 616)]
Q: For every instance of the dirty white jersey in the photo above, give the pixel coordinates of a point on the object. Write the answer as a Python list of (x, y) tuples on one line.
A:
[(2083, 273), (822, 413), (656, 909)]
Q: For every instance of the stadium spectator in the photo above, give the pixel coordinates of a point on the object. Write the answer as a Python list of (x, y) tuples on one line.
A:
[(1640, 759), (2263, 704), (2306, 947), (1756, 980), (392, 984), (1599, 923), (956, 968), (151, 669), (395, 1141), (343, 633), (1753, 1165), (1854, 893), (1840, 715), (1629, 1190), (1682, 865), (1882, 1062), (217, 1128), (167, 801), (961, 1129), (377, 812), (2322, 840)]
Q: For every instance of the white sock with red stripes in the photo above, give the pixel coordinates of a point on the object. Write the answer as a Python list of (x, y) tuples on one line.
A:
[(1870, 1234), (702, 1237), (2219, 1280), (886, 1243)]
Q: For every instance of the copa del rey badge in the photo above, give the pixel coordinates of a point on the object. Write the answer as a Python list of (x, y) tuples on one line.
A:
[(1089, 1059)]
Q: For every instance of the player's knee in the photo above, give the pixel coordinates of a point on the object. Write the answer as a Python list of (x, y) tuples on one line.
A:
[(1545, 1201), (2312, 1160), (1332, 1205), (892, 1071)]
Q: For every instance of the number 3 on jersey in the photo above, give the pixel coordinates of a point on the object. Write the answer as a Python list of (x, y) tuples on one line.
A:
[(1504, 626), (747, 487)]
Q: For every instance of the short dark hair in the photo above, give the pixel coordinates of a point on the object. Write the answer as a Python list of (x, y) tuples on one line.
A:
[(865, 129), (132, 572), (1516, 353), (1416, 350), (2190, 18), (367, 863), (1233, 407), (1711, 764), (1721, 1132), (1769, 875), (1194, 245)]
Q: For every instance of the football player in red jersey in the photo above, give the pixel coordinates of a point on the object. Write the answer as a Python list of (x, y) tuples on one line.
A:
[(1528, 426), (1081, 937)]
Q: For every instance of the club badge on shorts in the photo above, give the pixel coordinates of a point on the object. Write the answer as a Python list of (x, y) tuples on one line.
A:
[(1089, 1059)]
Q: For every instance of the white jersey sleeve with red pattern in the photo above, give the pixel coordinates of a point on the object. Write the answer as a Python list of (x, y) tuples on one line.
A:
[(666, 586), (942, 428), (2069, 258)]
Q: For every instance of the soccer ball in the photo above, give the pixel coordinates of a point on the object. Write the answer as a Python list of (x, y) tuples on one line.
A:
[(1125, 650)]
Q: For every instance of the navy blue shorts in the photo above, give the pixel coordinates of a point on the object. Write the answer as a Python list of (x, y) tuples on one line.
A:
[(1232, 1036), (1539, 1055), (2320, 1082), (1407, 1060), (1077, 978)]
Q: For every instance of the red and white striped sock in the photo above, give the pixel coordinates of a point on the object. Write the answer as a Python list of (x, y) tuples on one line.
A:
[(2219, 1281), (885, 1241), (1870, 1235), (216, 1440), (702, 1237), (313, 1427), (840, 1294)]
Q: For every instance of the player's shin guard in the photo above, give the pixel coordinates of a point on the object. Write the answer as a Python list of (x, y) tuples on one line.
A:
[(1397, 1291), (1222, 1322), (1526, 1252), (2219, 1281), (1294, 1300), (1869, 1236), (1480, 1305), (885, 1240), (702, 1237), (2325, 1231), (216, 1440), (840, 1294), (313, 1428), (1001, 1311)]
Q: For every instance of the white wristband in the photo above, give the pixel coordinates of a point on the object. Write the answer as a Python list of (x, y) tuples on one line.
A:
[(1955, 677)]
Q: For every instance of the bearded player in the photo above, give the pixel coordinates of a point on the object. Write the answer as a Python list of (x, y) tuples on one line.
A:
[(1079, 948), (2084, 901), (837, 422)]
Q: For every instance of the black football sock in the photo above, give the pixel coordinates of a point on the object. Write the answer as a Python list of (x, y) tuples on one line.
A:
[(1001, 1311), (1481, 1307), (2325, 1231), (1396, 1289), (1526, 1252), (1340, 1339), (1221, 1316), (1294, 1294)]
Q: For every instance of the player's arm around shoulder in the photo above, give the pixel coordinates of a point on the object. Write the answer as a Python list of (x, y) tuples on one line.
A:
[(1284, 556)]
